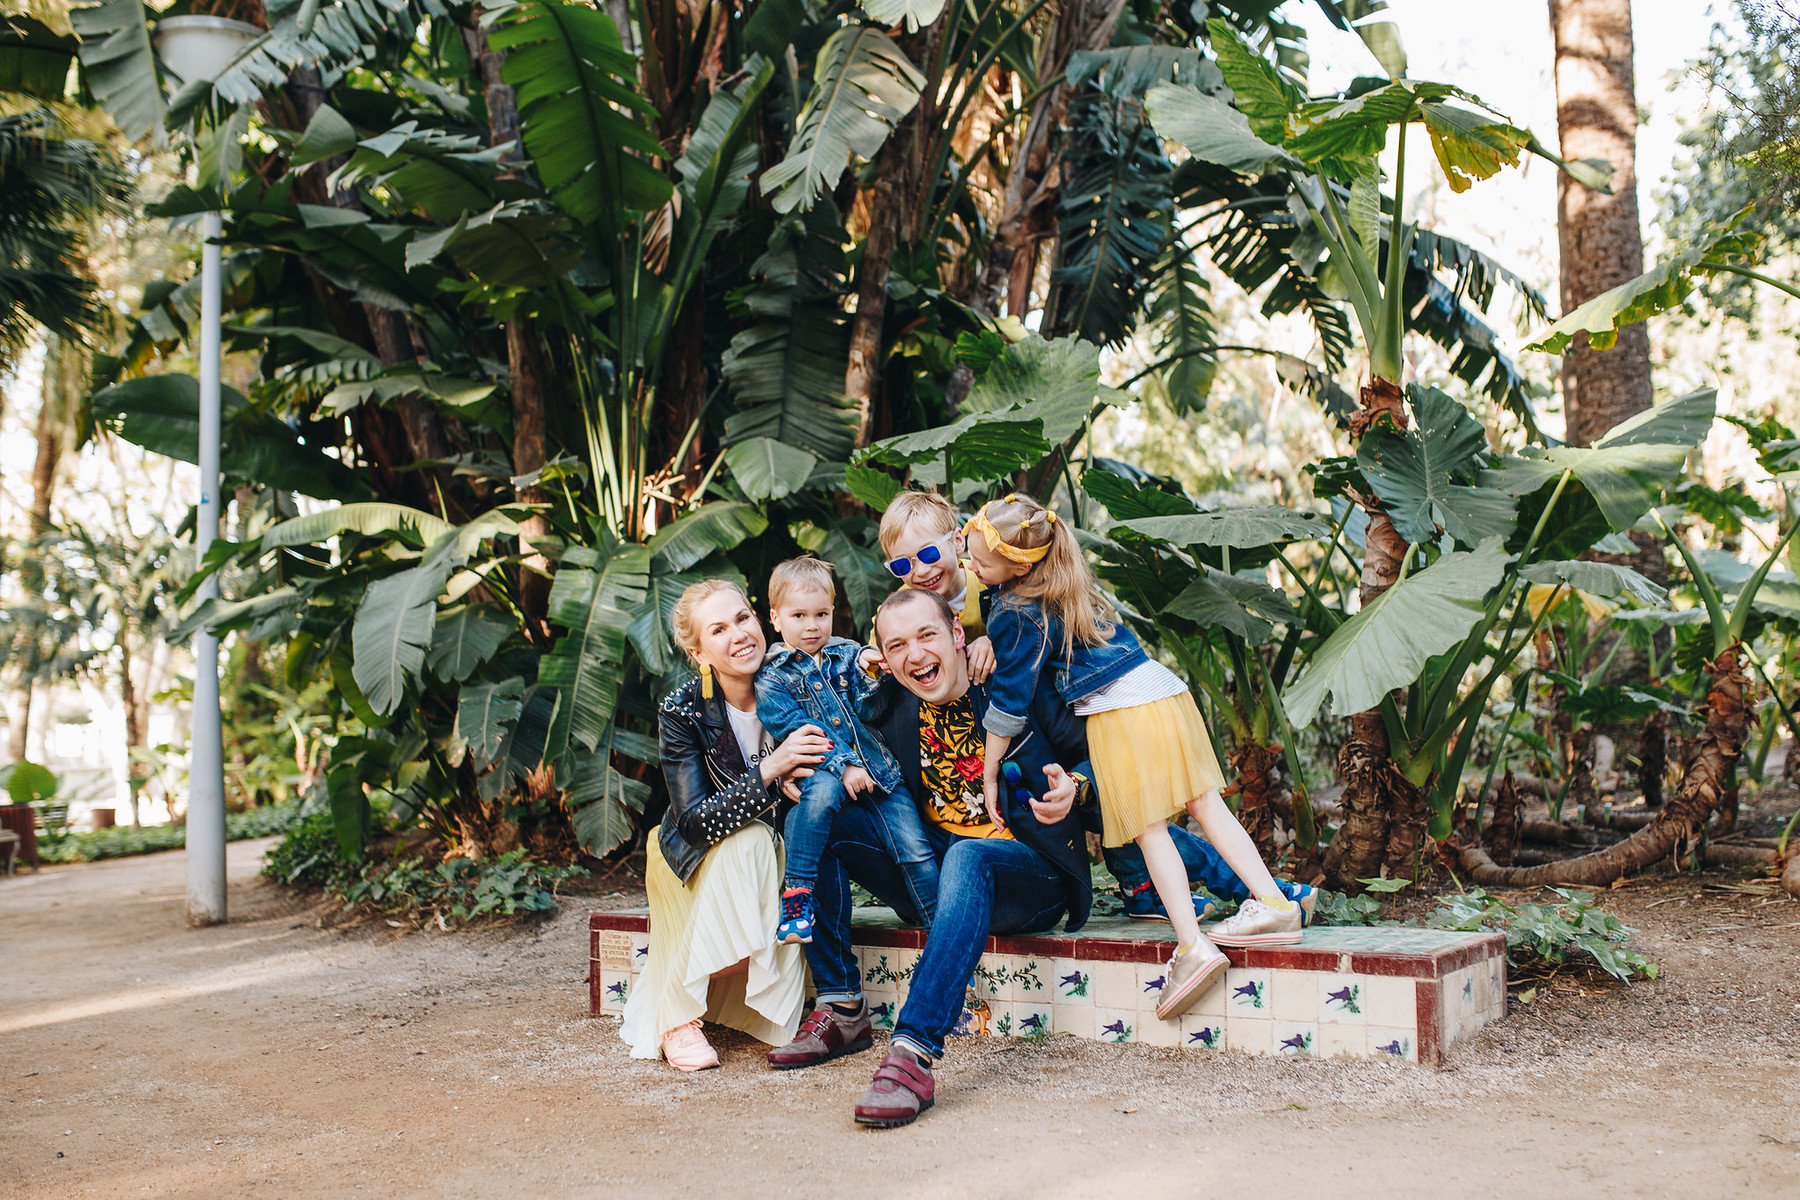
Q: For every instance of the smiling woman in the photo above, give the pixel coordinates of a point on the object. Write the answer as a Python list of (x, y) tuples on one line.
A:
[(713, 870)]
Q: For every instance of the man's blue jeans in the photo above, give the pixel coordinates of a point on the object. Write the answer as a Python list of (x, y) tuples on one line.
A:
[(1204, 866), (894, 817), (986, 886)]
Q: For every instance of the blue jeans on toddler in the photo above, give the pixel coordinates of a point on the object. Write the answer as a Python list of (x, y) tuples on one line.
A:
[(895, 819)]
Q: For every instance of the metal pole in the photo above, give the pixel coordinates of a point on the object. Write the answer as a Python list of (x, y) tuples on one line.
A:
[(206, 763)]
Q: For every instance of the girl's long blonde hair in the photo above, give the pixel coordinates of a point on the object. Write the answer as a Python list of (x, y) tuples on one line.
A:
[(1061, 580)]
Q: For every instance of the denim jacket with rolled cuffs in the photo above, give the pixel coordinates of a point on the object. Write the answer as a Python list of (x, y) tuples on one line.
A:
[(795, 689), (1026, 638), (713, 792)]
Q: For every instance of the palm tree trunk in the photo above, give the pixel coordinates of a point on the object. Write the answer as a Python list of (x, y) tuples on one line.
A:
[(1255, 765), (1601, 245), (886, 201), (1703, 787)]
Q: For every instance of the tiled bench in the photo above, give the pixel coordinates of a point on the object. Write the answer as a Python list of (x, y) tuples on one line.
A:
[(1342, 992)]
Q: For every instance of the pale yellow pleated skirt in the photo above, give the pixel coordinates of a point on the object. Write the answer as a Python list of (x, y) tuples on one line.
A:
[(1149, 761), (725, 914)]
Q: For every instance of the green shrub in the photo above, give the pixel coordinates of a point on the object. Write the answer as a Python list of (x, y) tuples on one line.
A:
[(508, 884), (123, 840), (1548, 933)]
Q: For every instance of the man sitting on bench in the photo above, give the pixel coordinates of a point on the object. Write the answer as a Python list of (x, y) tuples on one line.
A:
[(1019, 880)]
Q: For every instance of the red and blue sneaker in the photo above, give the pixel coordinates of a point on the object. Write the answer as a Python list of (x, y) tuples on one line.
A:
[(1143, 904), (797, 917)]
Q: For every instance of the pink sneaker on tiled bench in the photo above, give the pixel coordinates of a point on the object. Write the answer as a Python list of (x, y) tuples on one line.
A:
[(1341, 992)]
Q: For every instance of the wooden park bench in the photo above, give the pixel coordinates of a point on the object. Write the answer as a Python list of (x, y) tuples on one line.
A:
[(1342, 992)]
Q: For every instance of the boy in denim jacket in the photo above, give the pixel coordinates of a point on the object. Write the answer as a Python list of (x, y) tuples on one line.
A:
[(812, 678)]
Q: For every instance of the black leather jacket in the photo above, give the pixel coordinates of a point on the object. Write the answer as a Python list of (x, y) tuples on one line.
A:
[(712, 794)]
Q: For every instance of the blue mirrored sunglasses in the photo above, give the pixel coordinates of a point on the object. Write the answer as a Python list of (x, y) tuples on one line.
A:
[(928, 556)]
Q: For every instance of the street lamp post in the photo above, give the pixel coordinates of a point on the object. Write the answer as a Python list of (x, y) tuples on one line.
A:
[(198, 48)]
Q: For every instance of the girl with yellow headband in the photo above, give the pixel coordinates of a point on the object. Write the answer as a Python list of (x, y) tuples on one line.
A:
[(1152, 757)]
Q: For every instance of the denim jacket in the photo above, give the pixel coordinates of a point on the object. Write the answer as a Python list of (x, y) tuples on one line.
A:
[(1027, 638), (793, 689)]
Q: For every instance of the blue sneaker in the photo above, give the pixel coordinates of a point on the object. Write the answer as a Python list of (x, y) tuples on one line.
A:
[(1143, 904), (1303, 894), (796, 917)]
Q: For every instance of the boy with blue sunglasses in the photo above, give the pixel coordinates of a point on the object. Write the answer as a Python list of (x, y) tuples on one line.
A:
[(921, 539)]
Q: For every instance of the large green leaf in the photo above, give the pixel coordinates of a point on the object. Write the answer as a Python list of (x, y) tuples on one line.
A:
[(601, 799), (370, 518), (593, 599), (916, 13), (1211, 129), (981, 446), (1683, 421), (767, 469), (463, 640), (706, 530), (484, 712), (393, 627), (1055, 381), (34, 58), (1606, 580), (715, 171), (1417, 474), (1657, 290), (1261, 93), (650, 628), (580, 110), (1387, 644), (120, 64), (1238, 528), (161, 413), (1242, 606), (863, 85), (1122, 71)]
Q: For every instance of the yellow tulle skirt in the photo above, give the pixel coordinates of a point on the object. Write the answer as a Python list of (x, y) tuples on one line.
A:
[(1149, 760)]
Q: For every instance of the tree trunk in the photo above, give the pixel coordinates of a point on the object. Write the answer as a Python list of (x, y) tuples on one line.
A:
[(1601, 245), (1703, 786), (134, 726), (524, 355), (886, 201), (1502, 832), (1255, 765), (1653, 757)]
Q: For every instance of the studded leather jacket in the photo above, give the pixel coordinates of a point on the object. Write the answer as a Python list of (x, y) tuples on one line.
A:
[(712, 793)]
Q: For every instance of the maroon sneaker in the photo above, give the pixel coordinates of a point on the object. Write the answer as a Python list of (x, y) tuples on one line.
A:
[(901, 1090), (824, 1035)]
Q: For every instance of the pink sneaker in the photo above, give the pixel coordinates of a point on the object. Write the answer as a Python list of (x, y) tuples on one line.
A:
[(1191, 974), (686, 1048)]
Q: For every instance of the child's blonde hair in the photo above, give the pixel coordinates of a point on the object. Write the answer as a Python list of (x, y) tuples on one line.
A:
[(927, 509), (681, 621), (1061, 579), (797, 573)]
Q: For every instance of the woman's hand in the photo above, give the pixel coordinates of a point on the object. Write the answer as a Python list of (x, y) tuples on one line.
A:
[(805, 747)]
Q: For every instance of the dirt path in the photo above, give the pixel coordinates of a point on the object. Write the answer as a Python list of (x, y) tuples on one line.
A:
[(271, 1058)]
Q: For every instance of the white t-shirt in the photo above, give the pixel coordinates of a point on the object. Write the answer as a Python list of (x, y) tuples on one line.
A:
[(1143, 684), (752, 738)]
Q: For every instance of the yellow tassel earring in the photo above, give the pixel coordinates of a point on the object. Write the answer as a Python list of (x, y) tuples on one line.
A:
[(706, 689)]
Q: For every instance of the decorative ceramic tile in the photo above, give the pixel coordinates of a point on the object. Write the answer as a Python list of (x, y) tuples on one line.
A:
[(1151, 978), (615, 989), (1031, 980), (883, 1013), (1296, 1039), (974, 1020), (1202, 1032), (881, 968), (1153, 1032), (1391, 1001), (1247, 993), (1342, 1041), (1032, 1020), (1071, 982), (1252, 1035), (1115, 985), (993, 976), (1495, 969), (1076, 1019), (1341, 1000), (1392, 1043), (905, 963), (1116, 1025), (640, 952), (1459, 994), (613, 948), (1002, 1021), (1293, 996)]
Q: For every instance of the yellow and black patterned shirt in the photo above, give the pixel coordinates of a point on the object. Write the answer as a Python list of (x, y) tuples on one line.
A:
[(951, 747)]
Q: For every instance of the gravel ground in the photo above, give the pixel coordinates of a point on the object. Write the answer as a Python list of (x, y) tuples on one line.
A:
[(272, 1057)]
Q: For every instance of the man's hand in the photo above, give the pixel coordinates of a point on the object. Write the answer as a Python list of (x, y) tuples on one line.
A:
[(858, 782), (1058, 798), (981, 659)]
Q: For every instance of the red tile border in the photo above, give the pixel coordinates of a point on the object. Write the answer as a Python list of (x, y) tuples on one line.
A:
[(1426, 1023)]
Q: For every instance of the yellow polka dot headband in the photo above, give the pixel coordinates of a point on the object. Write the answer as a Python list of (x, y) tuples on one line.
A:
[(979, 523)]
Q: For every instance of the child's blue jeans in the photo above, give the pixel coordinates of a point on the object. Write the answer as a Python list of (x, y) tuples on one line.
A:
[(809, 825)]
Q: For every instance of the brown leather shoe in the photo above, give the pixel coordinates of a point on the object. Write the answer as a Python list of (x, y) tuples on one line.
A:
[(824, 1035), (901, 1090)]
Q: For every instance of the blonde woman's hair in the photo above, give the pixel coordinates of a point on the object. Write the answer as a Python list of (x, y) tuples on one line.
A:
[(926, 509), (682, 619), (1061, 579), (805, 572)]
